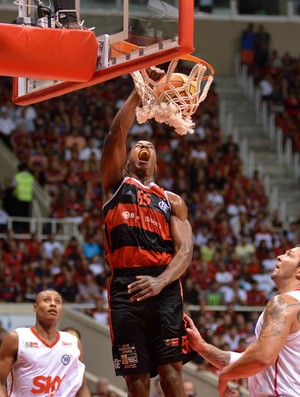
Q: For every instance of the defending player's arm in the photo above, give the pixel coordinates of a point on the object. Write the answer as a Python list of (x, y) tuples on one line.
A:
[(210, 353), (181, 233), (8, 354), (83, 391), (278, 319)]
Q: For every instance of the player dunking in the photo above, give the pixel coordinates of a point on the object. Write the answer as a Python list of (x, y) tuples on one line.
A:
[(148, 242)]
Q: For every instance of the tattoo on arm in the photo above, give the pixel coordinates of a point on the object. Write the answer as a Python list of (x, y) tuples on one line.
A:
[(217, 357), (274, 319)]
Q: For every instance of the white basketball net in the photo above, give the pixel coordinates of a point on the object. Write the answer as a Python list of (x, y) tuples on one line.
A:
[(173, 106)]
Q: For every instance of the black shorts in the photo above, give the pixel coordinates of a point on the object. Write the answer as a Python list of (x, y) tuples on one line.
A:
[(150, 333)]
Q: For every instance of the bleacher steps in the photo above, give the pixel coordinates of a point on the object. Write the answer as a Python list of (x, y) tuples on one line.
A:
[(245, 120)]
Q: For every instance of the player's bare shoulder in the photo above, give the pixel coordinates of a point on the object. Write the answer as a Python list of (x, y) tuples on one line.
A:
[(178, 206), (292, 307), (10, 343), (284, 306)]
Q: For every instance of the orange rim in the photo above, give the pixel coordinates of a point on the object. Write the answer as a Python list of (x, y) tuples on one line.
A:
[(192, 58)]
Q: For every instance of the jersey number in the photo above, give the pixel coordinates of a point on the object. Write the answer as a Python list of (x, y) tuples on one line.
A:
[(143, 198)]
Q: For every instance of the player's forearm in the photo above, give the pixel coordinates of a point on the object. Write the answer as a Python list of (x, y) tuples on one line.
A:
[(183, 246), (177, 266), (125, 117), (249, 364), (3, 391), (217, 357)]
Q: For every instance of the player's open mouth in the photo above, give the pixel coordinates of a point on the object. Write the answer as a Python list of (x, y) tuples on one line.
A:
[(144, 155)]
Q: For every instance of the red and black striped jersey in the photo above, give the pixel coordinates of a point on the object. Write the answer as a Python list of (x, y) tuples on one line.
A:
[(137, 226)]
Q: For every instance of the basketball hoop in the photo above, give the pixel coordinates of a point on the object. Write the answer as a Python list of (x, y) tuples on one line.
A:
[(170, 106)]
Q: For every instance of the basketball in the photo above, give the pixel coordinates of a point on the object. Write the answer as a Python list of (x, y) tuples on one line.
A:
[(177, 86)]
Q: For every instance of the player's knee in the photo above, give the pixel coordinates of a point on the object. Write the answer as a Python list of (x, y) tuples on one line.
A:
[(170, 374), (137, 382)]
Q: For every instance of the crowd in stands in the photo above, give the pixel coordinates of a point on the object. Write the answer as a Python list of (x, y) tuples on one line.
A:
[(236, 239), (278, 77)]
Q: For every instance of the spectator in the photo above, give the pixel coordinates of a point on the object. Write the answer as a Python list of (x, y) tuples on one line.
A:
[(208, 250), (234, 294), (213, 295), (264, 282), (266, 85), (202, 236), (34, 247), (72, 331), (88, 289), (268, 264), (7, 126), (22, 120), (206, 6), (254, 296), (232, 338), (3, 221), (263, 232), (90, 150), (262, 41), (72, 250), (91, 247), (191, 293), (28, 291), (75, 139), (223, 276), (244, 249), (248, 335), (10, 290), (13, 257), (99, 312), (189, 388), (67, 286), (50, 245), (102, 388), (8, 198), (24, 195), (247, 46), (262, 251)]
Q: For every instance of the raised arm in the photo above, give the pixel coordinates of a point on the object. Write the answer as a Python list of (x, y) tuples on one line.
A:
[(114, 150), (8, 354), (279, 317)]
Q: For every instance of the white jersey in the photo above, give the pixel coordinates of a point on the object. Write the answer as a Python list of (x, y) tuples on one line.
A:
[(282, 378), (43, 370)]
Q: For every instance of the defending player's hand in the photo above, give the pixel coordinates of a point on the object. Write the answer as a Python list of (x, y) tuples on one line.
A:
[(194, 336), (226, 391), (144, 287)]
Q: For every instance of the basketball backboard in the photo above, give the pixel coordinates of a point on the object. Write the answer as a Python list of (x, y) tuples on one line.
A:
[(131, 35)]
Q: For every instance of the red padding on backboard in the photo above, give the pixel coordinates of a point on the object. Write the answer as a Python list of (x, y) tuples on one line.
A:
[(185, 46), (46, 53)]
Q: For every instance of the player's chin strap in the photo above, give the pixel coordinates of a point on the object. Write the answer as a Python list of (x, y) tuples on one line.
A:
[(173, 106)]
